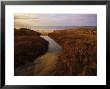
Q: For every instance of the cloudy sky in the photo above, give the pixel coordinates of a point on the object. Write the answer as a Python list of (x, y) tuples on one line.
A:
[(21, 20)]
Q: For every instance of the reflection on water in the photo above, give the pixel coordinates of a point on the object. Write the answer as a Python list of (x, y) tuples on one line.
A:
[(46, 64), (53, 46)]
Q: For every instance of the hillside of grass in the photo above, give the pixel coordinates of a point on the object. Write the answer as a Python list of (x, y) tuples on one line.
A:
[(25, 32), (79, 56), (28, 45)]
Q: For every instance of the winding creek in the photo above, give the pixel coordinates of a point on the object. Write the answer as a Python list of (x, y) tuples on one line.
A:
[(46, 64), (53, 46)]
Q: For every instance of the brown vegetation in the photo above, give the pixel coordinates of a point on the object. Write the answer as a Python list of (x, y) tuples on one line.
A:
[(79, 56), (28, 45), (26, 32)]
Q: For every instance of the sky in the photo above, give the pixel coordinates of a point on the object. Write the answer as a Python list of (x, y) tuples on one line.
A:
[(31, 20)]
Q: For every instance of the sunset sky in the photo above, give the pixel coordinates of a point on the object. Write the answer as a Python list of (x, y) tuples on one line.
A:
[(31, 20)]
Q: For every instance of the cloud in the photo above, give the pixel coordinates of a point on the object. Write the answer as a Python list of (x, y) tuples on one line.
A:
[(55, 19), (25, 16)]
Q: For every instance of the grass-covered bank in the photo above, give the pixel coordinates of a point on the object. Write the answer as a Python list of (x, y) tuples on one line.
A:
[(79, 56), (28, 45)]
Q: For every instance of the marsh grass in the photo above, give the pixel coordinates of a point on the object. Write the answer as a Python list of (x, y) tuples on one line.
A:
[(28, 45), (79, 56)]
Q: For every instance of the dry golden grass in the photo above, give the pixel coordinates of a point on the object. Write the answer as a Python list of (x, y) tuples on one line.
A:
[(79, 56)]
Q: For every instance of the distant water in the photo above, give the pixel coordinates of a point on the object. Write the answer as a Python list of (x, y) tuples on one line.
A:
[(59, 27)]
